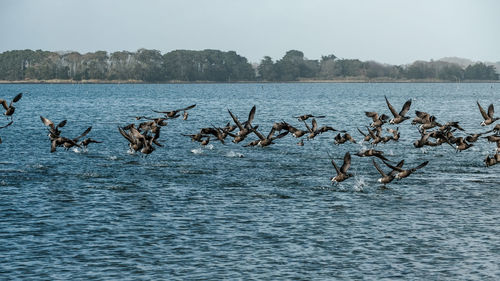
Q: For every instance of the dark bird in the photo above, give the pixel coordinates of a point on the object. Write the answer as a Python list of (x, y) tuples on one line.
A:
[(340, 139), (372, 152), (377, 120), (173, 113), (69, 143), (244, 128), (314, 130), (422, 118), (366, 137), (488, 117), (395, 133), (342, 174), (294, 131), (490, 161), (268, 140), (398, 117), (307, 116), (402, 173), (88, 141), (54, 131), (387, 178), (9, 109)]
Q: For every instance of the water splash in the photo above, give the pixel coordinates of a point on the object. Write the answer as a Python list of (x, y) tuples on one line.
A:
[(233, 154), (359, 184), (197, 151)]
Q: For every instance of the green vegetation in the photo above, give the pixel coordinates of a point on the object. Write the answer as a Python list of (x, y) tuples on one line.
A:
[(217, 66)]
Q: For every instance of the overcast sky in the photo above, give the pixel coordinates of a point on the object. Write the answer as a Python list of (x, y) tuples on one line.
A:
[(389, 31)]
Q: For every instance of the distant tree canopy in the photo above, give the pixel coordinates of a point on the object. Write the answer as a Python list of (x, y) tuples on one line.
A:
[(218, 66)]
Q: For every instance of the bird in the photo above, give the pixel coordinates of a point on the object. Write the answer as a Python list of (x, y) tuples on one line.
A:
[(244, 128), (9, 109), (490, 161), (88, 141), (488, 117), (53, 130), (268, 140), (387, 178), (378, 120), (340, 139), (398, 117), (342, 174), (173, 113), (297, 133), (402, 173), (314, 130), (372, 152), (307, 116), (69, 143)]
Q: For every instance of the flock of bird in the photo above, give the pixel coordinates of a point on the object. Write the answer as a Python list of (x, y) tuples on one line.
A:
[(144, 137)]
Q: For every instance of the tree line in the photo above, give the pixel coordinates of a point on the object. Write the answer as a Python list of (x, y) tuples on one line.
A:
[(218, 66)]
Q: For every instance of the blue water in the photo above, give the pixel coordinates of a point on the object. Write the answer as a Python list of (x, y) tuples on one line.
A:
[(192, 213)]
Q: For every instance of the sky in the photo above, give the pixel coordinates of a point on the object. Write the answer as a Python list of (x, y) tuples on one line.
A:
[(387, 31)]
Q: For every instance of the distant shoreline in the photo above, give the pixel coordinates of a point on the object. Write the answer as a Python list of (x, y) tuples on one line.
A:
[(346, 80)]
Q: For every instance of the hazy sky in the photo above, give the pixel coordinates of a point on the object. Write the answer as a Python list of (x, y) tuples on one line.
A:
[(390, 31)]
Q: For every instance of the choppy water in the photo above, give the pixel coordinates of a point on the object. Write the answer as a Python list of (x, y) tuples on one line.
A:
[(229, 212)]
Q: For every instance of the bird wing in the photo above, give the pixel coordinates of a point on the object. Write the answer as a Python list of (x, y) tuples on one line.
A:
[(361, 132), (10, 123), (491, 111), (47, 122), (378, 168), (261, 136), (314, 125), (421, 114), (235, 120), (4, 103), (187, 108), (251, 116), (17, 98), (419, 166), (373, 115), (336, 167), (391, 108), (399, 165), (83, 134), (483, 113), (126, 135), (406, 108), (347, 163), (61, 124), (399, 169)]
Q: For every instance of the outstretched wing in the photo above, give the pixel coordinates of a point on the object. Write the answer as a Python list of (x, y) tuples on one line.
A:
[(399, 169), (391, 108), (347, 162), (336, 167), (235, 120), (491, 111), (483, 113), (83, 134), (378, 168), (10, 123), (187, 108), (17, 98), (251, 116), (406, 108), (419, 166)]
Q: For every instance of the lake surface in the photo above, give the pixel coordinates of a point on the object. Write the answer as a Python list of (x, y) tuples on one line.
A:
[(232, 212)]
